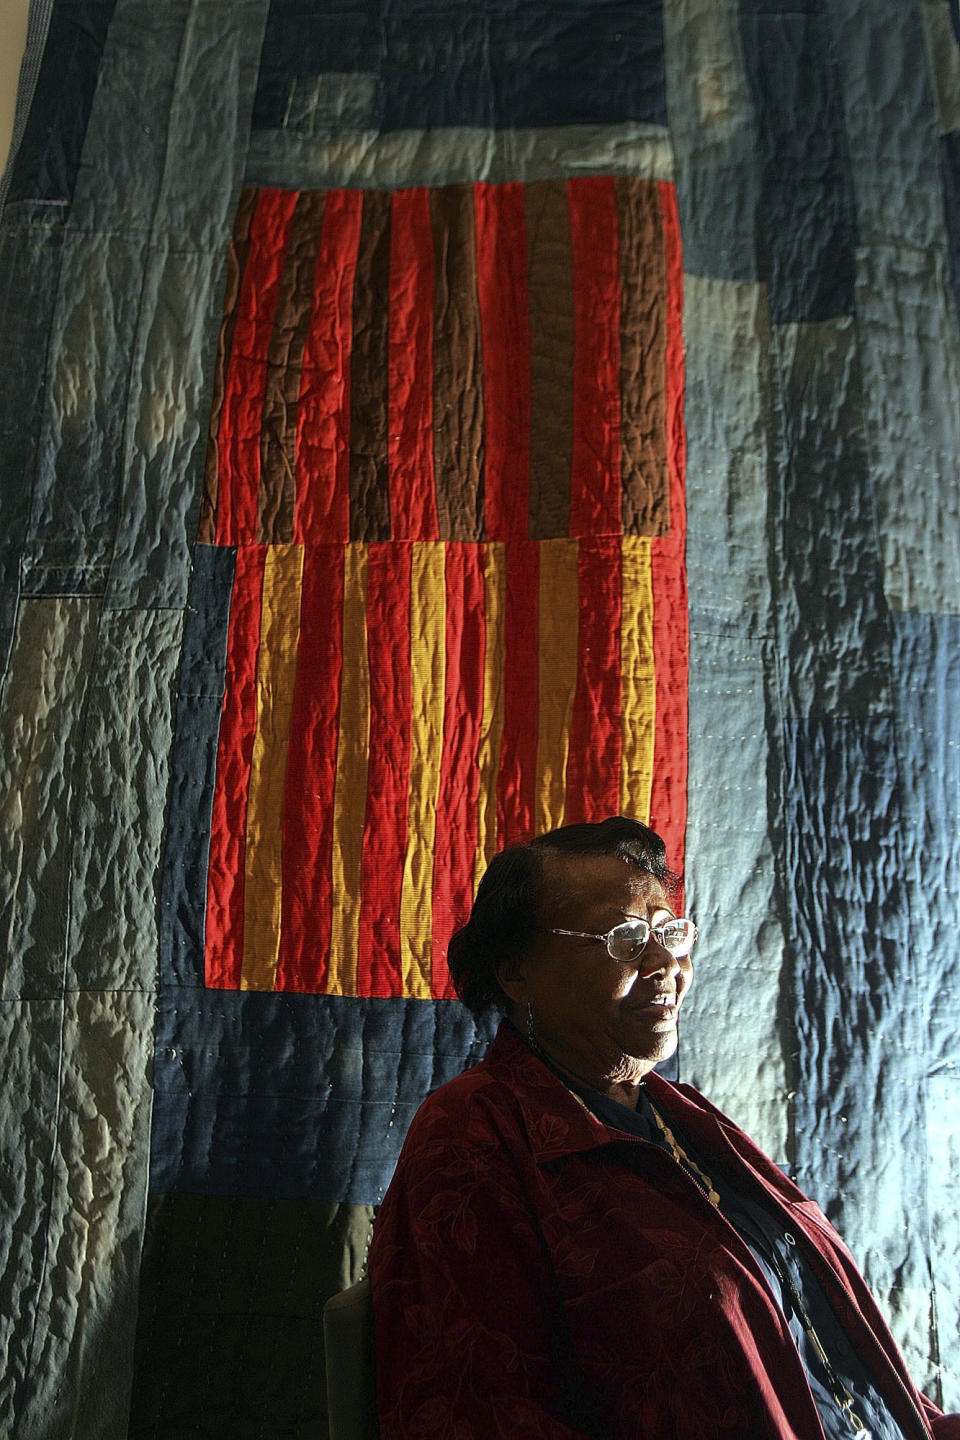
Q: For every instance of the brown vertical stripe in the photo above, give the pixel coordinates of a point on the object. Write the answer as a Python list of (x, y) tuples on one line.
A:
[(236, 260), (645, 503), (278, 442), (550, 288), (369, 465), (457, 366)]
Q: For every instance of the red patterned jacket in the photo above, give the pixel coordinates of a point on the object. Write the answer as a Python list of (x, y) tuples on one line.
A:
[(673, 1326)]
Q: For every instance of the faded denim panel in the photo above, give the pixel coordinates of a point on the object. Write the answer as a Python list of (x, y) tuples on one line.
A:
[(120, 803), (31, 243), (174, 350), (807, 226), (42, 710), (85, 1296), (713, 126)]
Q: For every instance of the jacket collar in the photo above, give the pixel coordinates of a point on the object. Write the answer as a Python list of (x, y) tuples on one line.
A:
[(558, 1123), (556, 1120)]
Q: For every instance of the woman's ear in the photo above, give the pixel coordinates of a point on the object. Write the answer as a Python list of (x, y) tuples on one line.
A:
[(512, 981)]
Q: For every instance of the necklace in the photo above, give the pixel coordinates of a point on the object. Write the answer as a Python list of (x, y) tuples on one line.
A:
[(684, 1160), (842, 1396)]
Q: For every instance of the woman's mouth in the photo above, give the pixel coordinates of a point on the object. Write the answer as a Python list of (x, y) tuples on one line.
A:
[(660, 1009)]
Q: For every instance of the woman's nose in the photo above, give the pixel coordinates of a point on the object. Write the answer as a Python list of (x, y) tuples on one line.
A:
[(656, 958)]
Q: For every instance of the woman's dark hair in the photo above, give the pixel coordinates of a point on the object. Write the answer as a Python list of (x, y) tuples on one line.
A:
[(507, 912)]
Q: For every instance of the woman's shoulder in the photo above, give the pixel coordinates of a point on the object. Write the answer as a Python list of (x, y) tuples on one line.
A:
[(511, 1106), (497, 1107), (474, 1105)]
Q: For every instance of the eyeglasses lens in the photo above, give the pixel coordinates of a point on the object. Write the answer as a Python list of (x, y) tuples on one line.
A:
[(678, 937), (624, 942)]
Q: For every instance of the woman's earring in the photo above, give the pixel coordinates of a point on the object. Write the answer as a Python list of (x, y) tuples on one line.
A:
[(534, 1043)]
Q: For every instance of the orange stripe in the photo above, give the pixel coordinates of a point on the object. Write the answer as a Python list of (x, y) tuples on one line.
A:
[(276, 676), (350, 794), (491, 729), (427, 688), (638, 683), (558, 606)]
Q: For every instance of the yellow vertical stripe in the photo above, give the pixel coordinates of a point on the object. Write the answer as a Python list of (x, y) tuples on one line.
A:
[(638, 679), (559, 623), (276, 674), (428, 609), (350, 794), (491, 729)]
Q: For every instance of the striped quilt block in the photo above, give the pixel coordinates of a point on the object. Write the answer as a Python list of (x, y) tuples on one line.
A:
[(447, 448)]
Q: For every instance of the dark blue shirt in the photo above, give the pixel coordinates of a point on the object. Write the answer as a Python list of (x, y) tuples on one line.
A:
[(778, 1255)]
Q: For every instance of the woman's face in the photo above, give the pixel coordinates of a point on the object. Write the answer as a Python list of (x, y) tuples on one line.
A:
[(604, 1022)]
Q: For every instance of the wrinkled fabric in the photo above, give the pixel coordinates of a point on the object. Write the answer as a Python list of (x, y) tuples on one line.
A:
[(507, 1181), (803, 354)]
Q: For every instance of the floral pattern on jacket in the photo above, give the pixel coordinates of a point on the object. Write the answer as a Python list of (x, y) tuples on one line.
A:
[(511, 1199)]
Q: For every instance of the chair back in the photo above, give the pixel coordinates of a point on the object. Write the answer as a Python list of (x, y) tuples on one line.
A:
[(351, 1373)]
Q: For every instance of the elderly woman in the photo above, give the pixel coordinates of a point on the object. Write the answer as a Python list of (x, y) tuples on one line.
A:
[(574, 1247)]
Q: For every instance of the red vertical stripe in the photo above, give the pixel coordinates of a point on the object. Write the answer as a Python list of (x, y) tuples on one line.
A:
[(505, 328), (517, 780), (458, 428), (311, 777), (323, 411), (594, 243), (242, 414), (671, 641), (388, 771), (223, 944), (413, 501), (456, 836), (593, 764)]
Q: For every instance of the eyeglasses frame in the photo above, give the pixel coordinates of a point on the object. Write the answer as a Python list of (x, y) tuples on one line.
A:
[(656, 930)]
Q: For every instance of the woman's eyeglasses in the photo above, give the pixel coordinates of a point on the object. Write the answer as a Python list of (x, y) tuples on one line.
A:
[(626, 942)]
